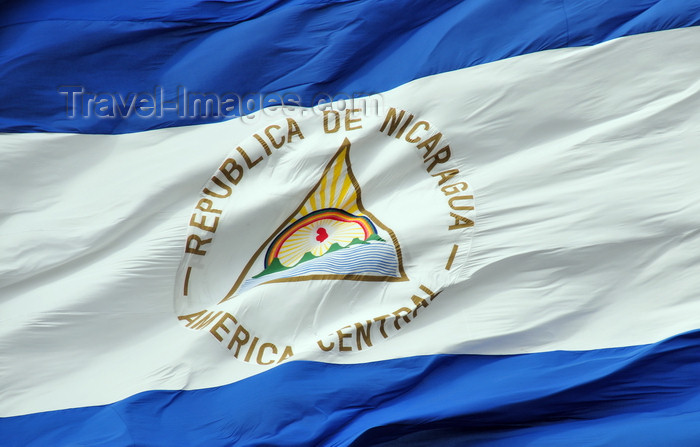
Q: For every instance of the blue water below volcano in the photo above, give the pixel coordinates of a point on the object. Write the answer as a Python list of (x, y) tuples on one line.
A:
[(377, 258)]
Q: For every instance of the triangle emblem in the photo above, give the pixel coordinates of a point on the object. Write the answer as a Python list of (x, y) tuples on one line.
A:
[(330, 236)]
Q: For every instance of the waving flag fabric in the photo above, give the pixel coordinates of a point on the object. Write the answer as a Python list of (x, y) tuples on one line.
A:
[(350, 223)]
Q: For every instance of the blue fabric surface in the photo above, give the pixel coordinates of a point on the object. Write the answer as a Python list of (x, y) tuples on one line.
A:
[(643, 395), (302, 47)]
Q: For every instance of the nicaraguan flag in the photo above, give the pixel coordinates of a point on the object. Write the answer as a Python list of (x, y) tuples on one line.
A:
[(350, 223)]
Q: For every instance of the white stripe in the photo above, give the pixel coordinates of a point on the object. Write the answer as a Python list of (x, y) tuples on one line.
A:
[(584, 162)]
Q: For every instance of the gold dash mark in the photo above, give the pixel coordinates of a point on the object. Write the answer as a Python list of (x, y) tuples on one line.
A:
[(187, 279), (451, 259)]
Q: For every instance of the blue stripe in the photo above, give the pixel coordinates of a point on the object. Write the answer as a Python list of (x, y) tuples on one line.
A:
[(301, 47), (642, 396)]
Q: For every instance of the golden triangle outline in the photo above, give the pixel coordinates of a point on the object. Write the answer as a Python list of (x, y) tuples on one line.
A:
[(344, 148)]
